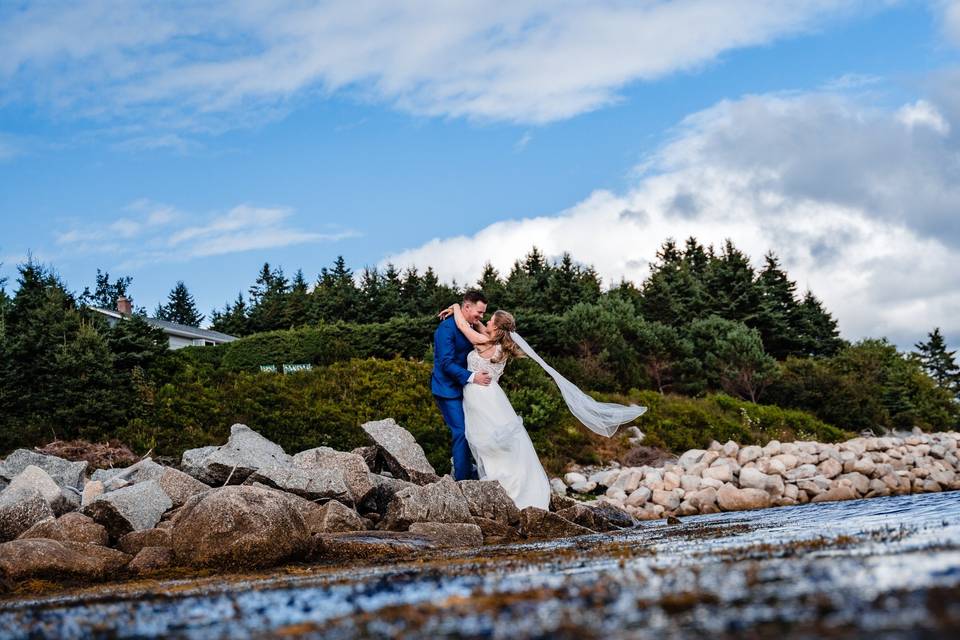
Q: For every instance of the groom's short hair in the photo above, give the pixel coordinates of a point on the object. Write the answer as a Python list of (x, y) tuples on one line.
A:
[(473, 297)]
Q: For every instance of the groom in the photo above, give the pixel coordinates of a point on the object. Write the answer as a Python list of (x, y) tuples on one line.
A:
[(450, 375)]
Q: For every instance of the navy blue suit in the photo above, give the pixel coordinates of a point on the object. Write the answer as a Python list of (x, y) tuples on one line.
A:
[(450, 349)]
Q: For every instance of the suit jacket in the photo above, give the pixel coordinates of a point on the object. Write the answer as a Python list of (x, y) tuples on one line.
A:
[(450, 349)]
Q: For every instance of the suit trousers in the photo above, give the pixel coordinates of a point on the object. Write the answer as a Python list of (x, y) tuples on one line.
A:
[(452, 411)]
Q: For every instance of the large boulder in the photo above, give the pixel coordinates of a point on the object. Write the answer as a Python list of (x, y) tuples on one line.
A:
[(132, 508), (134, 541), (537, 523), (730, 498), (56, 559), (449, 534), (312, 484), (118, 478), (384, 489), (70, 527), (585, 517), (179, 486), (496, 532), (488, 499), (400, 451), (20, 509), (241, 526), (334, 517), (150, 559), (438, 502), (64, 472), (371, 545), (613, 514), (352, 466), (244, 453)]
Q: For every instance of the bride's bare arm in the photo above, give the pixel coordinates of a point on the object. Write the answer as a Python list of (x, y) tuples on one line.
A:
[(472, 334)]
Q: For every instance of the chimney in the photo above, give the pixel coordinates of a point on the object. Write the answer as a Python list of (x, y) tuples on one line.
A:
[(124, 306)]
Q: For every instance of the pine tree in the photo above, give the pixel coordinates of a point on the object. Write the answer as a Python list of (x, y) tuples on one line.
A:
[(298, 301), (779, 317), (734, 295), (268, 300), (819, 334), (939, 363), (180, 307), (336, 296), (233, 320), (492, 286), (666, 291), (564, 286), (106, 293), (412, 301)]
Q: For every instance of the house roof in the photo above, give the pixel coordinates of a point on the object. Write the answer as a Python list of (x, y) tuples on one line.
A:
[(173, 328)]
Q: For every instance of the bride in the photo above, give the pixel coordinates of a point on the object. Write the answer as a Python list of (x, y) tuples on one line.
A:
[(500, 445)]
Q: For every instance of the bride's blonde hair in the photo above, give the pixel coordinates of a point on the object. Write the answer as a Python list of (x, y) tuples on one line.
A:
[(504, 323)]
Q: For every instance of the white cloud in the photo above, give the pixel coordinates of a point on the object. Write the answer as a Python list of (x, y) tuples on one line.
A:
[(516, 60), (156, 233), (861, 209), (951, 19), (922, 113)]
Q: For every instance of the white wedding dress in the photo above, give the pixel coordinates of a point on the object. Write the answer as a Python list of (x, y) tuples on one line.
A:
[(500, 445)]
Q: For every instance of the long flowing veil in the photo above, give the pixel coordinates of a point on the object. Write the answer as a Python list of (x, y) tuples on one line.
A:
[(600, 417)]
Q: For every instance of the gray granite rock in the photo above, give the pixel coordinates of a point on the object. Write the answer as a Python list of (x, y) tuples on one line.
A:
[(400, 451), (63, 472), (180, 486), (240, 527), (132, 508), (378, 499), (537, 523), (312, 484), (352, 466), (488, 499), (244, 453), (20, 509), (33, 478), (335, 517), (437, 502)]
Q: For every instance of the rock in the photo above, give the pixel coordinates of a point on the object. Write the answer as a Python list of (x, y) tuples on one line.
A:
[(33, 478), (132, 508), (55, 559), (380, 497), (244, 453), (441, 501), (449, 534), (312, 484), (703, 499), (537, 523), (772, 448), (334, 517), (690, 458), (557, 486), (585, 517), (830, 468), (865, 466), (749, 454), (689, 483), (628, 480), (574, 478), (639, 497), (140, 471), (613, 514), (150, 559), (353, 467), (788, 460), (239, 526), (841, 492), (558, 503), (134, 541), (731, 498), (371, 545), (179, 486), (721, 473), (859, 482), (583, 487), (671, 481), (70, 527), (751, 478), (20, 509), (488, 499), (616, 495), (730, 449), (63, 472), (400, 451), (496, 532), (801, 472), (91, 490), (710, 482), (371, 457), (669, 500)]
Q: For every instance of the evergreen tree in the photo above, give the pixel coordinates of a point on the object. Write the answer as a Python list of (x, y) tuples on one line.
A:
[(734, 295), (233, 320), (939, 363), (106, 293), (180, 307), (336, 296), (563, 287), (298, 301), (666, 290), (779, 317), (412, 300), (268, 300), (664, 352), (492, 287), (817, 329)]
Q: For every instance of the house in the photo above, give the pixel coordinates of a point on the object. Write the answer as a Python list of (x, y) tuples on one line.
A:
[(178, 335)]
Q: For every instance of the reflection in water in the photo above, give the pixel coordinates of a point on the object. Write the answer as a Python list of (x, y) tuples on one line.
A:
[(880, 566)]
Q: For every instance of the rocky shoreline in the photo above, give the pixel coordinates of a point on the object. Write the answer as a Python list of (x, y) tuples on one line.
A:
[(248, 504), (728, 477)]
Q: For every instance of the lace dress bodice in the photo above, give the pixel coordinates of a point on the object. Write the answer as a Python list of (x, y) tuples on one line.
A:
[(476, 362)]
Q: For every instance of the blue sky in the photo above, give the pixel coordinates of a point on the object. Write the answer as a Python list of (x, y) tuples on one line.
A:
[(179, 142)]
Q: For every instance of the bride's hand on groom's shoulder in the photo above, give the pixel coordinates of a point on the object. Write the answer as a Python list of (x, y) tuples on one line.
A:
[(446, 313)]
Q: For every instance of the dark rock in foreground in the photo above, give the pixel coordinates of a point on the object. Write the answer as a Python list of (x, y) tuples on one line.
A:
[(41, 558), (70, 527), (241, 526), (537, 523), (371, 545)]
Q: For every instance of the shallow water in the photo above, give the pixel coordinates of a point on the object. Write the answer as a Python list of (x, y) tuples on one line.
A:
[(885, 567)]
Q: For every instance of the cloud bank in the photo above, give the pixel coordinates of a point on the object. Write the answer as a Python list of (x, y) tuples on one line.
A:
[(861, 203), (517, 60)]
